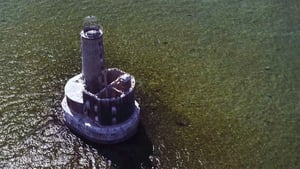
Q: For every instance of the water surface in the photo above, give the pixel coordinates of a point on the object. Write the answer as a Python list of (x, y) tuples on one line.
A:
[(218, 82)]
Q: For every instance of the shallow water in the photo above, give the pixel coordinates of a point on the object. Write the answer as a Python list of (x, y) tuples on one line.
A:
[(218, 82)]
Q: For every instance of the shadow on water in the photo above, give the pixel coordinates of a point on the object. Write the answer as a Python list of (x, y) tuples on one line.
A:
[(131, 154)]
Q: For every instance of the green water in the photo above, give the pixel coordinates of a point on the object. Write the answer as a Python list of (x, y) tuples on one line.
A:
[(218, 82)]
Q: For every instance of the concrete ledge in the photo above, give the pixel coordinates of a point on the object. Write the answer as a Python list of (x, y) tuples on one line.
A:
[(95, 132)]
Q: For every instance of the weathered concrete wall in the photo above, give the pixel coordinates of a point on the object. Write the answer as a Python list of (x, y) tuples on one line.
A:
[(92, 60)]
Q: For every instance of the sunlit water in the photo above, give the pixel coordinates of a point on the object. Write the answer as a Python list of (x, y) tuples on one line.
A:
[(218, 82)]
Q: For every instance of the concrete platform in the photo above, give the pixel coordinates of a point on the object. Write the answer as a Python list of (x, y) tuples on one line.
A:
[(94, 132)]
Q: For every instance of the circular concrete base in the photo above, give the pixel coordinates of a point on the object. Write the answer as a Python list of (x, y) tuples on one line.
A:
[(97, 133)]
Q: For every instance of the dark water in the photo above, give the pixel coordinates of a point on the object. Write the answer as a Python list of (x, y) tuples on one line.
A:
[(218, 82)]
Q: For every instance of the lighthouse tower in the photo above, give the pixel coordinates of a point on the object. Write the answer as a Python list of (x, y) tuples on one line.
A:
[(92, 52), (99, 103)]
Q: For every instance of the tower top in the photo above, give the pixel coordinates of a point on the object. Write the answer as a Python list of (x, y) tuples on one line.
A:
[(91, 28)]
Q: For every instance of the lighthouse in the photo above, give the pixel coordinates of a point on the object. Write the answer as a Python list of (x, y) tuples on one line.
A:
[(99, 103)]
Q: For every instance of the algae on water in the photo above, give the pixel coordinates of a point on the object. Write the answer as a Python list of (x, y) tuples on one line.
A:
[(218, 81)]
